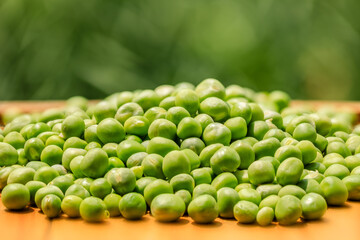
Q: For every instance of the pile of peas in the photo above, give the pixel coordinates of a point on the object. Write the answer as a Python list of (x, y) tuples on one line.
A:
[(205, 151)]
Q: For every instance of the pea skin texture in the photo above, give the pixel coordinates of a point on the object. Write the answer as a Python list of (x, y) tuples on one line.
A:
[(203, 209), (132, 206), (167, 207)]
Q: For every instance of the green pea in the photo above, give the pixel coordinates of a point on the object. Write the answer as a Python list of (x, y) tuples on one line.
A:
[(51, 155), (187, 99), (275, 118), (70, 205), (60, 169), (323, 124), (155, 113), (292, 190), (242, 176), (289, 141), (72, 126), (189, 127), (355, 171), (313, 206), (112, 201), (33, 148), (237, 126), (203, 209), (316, 166), (224, 179), (266, 190), (275, 133), (321, 142), (63, 182), (168, 102), (352, 161), (49, 189), (122, 180), (127, 148), (21, 175), (45, 174), (210, 88), (77, 190), (162, 128), (110, 149), (201, 175), (333, 158), (266, 147), (137, 125), (36, 129), (257, 114), (337, 170), (92, 145), (241, 186), (176, 114), (241, 109), (110, 130), (310, 186), (45, 135), (352, 143), (338, 147), (33, 187), (104, 110), (93, 209), (288, 151), (245, 211), (288, 210), (147, 99), (226, 199), (15, 196), (69, 154), (216, 108), (36, 165), (22, 160), (74, 142), (250, 195), (182, 181), (100, 188), (305, 131), (152, 166), (136, 159), (258, 129), (265, 216), (15, 139), (132, 206), (193, 158), (91, 135), (167, 207), (290, 128), (4, 175), (128, 110), (185, 195), (51, 205), (217, 133), (174, 163), (261, 172), (352, 184), (204, 120), (95, 163), (207, 153), (246, 153), (289, 171), (203, 189), (225, 159), (161, 146), (335, 191), (270, 201)]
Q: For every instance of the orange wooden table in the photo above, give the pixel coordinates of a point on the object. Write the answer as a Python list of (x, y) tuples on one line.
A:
[(337, 223)]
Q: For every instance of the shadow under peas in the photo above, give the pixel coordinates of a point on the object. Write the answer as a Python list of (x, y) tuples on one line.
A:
[(21, 211), (181, 221), (346, 205), (214, 224)]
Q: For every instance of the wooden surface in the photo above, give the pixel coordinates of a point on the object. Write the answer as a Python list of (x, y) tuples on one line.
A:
[(337, 223)]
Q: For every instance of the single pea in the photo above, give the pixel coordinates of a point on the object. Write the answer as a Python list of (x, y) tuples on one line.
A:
[(241, 109), (167, 207), (21, 175), (72, 126), (266, 147), (308, 151), (128, 110), (91, 135), (182, 181), (250, 195), (245, 211), (45, 174), (225, 159), (147, 99), (75, 167), (355, 171), (142, 183), (176, 114), (92, 145), (154, 113), (161, 146), (15, 139), (74, 142), (305, 131), (201, 175), (289, 171), (352, 162), (185, 195), (338, 147), (112, 201), (193, 158), (85, 182), (275, 133), (77, 190), (33, 148), (95, 163), (36, 129), (217, 133), (275, 118), (289, 141), (210, 88), (204, 120), (266, 190), (207, 153), (258, 129), (203, 189), (51, 205), (292, 190), (33, 187), (337, 170), (49, 189), (104, 110), (127, 148), (226, 200), (100, 188), (132, 206), (333, 158), (237, 126), (313, 206), (203, 209), (15, 196), (242, 176), (93, 209), (269, 201), (224, 179), (138, 171), (136, 159), (110, 130), (174, 163), (137, 125), (51, 155), (241, 186), (36, 165), (288, 210), (265, 216), (288, 151), (335, 191), (22, 160), (189, 127), (352, 143), (261, 172), (71, 206), (321, 142), (187, 99), (152, 166), (246, 153), (216, 108), (167, 103), (272, 160), (352, 184), (63, 182), (4, 175), (110, 149), (311, 186), (122, 180)]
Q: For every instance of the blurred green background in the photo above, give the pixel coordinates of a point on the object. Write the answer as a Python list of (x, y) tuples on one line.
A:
[(54, 49)]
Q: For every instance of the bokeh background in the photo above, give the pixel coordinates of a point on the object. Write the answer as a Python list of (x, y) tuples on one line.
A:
[(54, 49)]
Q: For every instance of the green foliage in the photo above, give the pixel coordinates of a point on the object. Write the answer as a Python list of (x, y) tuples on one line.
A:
[(60, 48)]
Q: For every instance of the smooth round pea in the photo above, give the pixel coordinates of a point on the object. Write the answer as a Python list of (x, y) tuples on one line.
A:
[(167, 103), (174, 163), (69, 154), (193, 158), (188, 99), (337, 170), (204, 120), (217, 133), (51, 155), (103, 110), (110, 130), (338, 147), (93, 209), (225, 159), (72, 126), (152, 166), (266, 147), (308, 151), (207, 153), (237, 126), (156, 188), (257, 129), (15, 196), (137, 125), (203, 209), (15, 139), (352, 184), (201, 175), (245, 211), (269, 201), (310, 186), (257, 114), (246, 153), (100, 188), (51, 205), (70, 205), (203, 189), (21, 175), (36, 129), (210, 87), (250, 195), (122, 180), (128, 110), (127, 148), (241, 109), (266, 190), (74, 142), (287, 151), (132, 206), (261, 172), (77, 190), (292, 190), (335, 191), (185, 195), (305, 131), (176, 114), (265, 216), (189, 127), (224, 179), (289, 171), (155, 113), (112, 201), (352, 162), (288, 210), (161, 146), (90, 134), (95, 163), (242, 176), (33, 187), (147, 99), (33, 148), (167, 207), (313, 206), (45, 174), (63, 182), (182, 181)]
